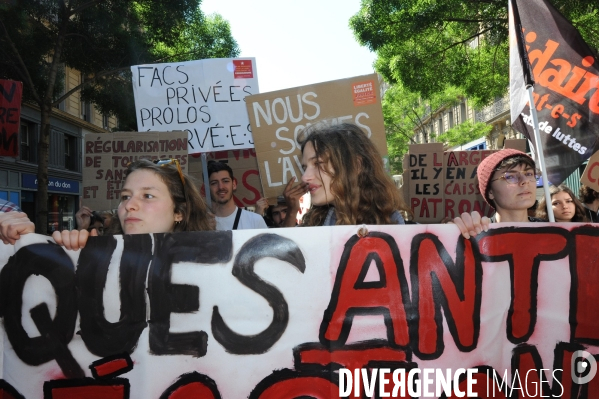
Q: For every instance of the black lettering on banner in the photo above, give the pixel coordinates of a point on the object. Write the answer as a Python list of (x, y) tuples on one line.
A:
[(259, 247), (101, 337), (51, 262), (167, 298)]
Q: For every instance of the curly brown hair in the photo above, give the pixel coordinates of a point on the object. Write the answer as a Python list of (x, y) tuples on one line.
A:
[(184, 193), (579, 216), (362, 191), (587, 194)]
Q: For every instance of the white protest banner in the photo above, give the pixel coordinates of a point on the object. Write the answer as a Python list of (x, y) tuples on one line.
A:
[(278, 117), (275, 313), (205, 98), (107, 155)]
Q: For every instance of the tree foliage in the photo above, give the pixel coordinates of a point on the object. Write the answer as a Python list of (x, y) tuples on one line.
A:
[(464, 133), (406, 114), (101, 39), (428, 45)]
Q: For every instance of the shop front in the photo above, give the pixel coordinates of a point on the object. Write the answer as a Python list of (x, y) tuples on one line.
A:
[(63, 196)]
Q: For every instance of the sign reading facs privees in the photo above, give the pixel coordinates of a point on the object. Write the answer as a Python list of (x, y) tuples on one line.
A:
[(205, 98)]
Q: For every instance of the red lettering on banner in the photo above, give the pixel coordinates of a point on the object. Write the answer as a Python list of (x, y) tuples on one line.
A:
[(299, 387), (524, 260), (87, 388), (585, 287), (433, 272), (528, 375), (350, 357), (353, 296), (480, 382)]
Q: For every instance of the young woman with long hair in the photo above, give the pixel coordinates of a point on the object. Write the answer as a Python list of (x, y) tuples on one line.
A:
[(156, 198), (566, 207), (345, 176)]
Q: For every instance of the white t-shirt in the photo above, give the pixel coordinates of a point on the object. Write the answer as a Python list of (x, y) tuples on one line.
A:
[(247, 220)]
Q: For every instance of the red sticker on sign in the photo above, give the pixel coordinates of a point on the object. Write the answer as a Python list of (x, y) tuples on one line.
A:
[(243, 69), (364, 93)]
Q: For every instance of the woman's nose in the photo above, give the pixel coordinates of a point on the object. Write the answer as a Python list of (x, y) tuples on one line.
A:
[(131, 204)]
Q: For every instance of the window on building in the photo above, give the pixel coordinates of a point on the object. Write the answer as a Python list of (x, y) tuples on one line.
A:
[(105, 122), (70, 152), (28, 141), (440, 125), (86, 108), (463, 114), (450, 117)]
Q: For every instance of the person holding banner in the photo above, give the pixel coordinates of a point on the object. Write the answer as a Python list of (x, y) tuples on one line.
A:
[(507, 179), (13, 225), (566, 207), (157, 197), (345, 176)]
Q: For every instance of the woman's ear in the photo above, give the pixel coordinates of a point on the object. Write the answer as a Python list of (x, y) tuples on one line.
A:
[(491, 196), (178, 216)]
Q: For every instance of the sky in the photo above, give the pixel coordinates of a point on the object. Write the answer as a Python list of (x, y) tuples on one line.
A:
[(295, 42)]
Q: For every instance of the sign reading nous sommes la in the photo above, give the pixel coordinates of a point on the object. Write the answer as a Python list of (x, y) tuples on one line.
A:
[(205, 98), (273, 314)]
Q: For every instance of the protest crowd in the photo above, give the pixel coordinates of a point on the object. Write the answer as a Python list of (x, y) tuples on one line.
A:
[(347, 183), (327, 269)]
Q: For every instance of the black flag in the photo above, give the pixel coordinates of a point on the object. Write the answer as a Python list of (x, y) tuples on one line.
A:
[(547, 48)]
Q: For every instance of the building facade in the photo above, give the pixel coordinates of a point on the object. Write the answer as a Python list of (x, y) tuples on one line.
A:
[(70, 121)]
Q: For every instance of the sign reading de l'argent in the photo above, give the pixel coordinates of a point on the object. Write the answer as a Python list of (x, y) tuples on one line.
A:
[(54, 183)]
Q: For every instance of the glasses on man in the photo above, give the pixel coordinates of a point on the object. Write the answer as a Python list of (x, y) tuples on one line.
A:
[(162, 162), (516, 177)]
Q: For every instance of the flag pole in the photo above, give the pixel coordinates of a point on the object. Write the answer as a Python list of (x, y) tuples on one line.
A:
[(206, 182), (539, 149)]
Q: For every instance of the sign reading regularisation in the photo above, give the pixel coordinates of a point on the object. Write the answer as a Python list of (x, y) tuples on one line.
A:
[(205, 98), (319, 312)]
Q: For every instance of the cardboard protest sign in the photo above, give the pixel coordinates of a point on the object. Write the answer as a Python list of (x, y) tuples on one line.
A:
[(205, 98), (440, 184), (107, 155), (257, 314), (245, 170), (278, 117), (11, 93), (591, 173)]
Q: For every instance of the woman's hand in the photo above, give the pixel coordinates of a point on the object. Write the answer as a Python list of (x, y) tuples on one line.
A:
[(13, 225), (74, 239), (83, 218), (471, 224), (292, 196), (261, 206)]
